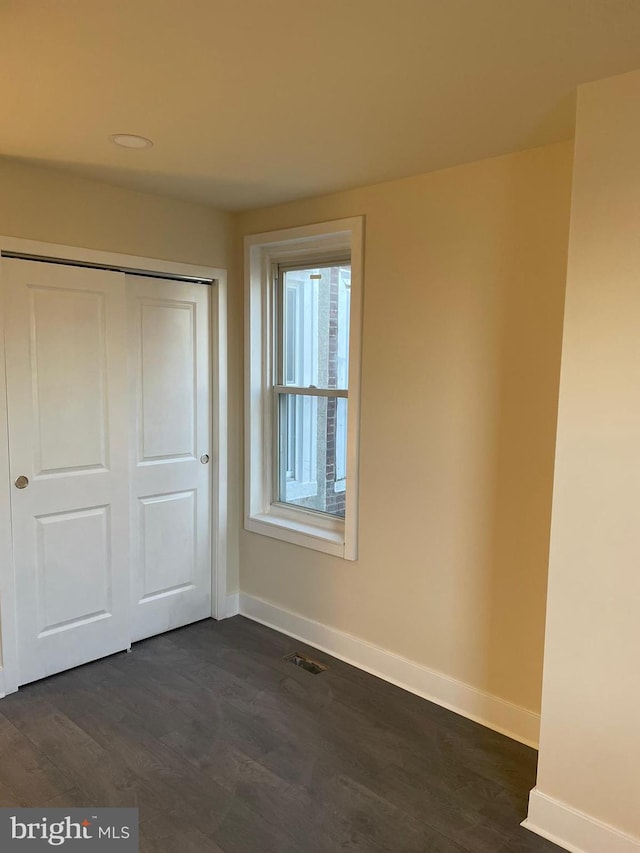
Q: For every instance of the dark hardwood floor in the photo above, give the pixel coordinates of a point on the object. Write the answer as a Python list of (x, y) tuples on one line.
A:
[(224, 746)]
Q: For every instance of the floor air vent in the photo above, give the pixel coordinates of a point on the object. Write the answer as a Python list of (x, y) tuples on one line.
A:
[(311, 666)]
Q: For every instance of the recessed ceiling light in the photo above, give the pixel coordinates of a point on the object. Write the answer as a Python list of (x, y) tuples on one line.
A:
[(131, 140)]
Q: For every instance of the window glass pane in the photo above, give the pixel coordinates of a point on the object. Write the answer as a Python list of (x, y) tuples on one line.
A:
[(313, 452), (315, 334)]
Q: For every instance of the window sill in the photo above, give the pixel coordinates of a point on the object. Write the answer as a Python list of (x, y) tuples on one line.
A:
[(299, 532)]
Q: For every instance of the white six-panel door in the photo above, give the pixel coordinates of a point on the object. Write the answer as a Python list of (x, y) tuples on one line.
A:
[(108, 385), (68, 436), (169, 368)]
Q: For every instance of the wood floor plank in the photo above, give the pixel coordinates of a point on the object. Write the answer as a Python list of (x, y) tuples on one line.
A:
[(27, 771), (243, 831), (172, 831), (170, 780), (91, 768), (225, 747)]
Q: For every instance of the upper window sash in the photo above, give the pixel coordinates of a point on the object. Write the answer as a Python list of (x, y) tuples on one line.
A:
[(294, 296)]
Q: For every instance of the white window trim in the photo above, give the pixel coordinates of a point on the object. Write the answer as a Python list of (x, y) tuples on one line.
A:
[(279, 521)]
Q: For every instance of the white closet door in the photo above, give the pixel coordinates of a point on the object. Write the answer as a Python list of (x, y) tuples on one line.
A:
[(67, 393), (169, 368)]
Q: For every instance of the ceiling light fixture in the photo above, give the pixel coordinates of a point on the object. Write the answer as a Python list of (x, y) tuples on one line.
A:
[(131, 140)]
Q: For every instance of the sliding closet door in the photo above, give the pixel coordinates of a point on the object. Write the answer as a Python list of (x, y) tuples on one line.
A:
[(169, 367), (67, 393)]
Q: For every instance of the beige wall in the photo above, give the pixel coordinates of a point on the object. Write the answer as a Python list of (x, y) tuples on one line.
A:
[(464, 287), (56, 207), (590, 740)]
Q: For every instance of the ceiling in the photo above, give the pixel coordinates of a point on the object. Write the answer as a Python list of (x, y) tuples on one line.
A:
[(254, 102)]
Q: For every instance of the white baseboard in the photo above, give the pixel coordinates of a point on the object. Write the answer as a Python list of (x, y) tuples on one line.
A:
[(497, 714), (233, 605), (574, 830)]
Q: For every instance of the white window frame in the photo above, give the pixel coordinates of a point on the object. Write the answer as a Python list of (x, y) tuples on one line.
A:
[(263, 252)]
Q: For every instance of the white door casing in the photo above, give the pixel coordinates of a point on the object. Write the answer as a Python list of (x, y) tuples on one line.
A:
[(119, 264), (65, 331), (171, 459)]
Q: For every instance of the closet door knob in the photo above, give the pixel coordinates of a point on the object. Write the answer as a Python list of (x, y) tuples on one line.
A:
[(22, 482), (204, 458)]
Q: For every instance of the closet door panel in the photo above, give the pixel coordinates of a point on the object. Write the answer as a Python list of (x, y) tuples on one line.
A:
[(169, 358), (68, 434)]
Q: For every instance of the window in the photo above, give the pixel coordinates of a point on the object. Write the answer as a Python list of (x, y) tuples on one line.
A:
[(304, 293), (311, 385)]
